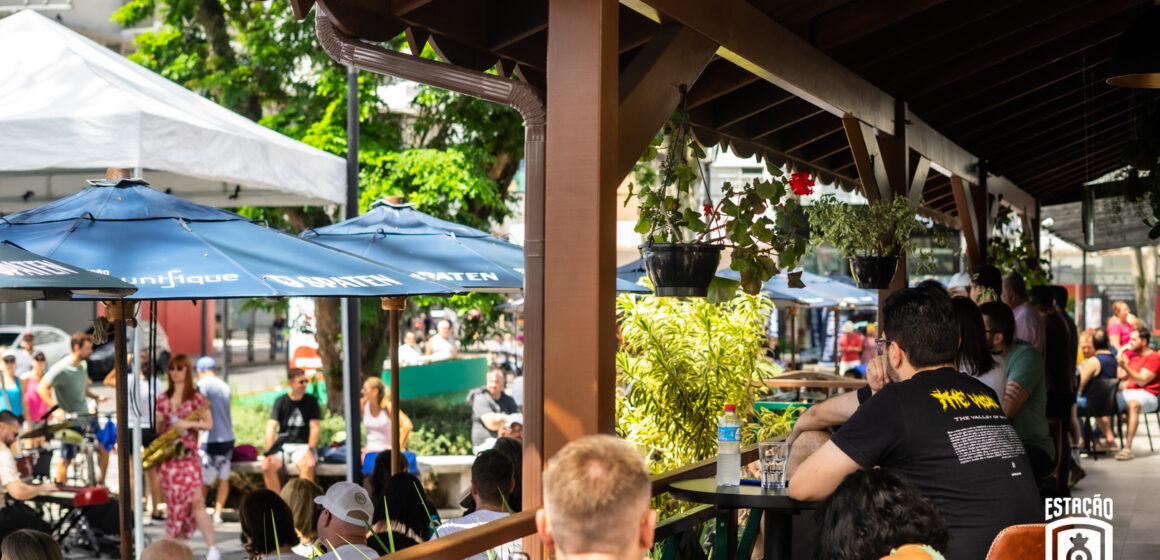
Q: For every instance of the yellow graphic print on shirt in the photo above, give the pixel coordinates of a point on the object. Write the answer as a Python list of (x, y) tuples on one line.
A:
[(959, 400)]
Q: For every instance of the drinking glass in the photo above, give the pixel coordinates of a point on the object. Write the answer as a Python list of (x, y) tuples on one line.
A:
[(773, 456)]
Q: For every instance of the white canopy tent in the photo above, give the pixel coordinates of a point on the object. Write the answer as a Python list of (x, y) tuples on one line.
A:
[(70, 108)]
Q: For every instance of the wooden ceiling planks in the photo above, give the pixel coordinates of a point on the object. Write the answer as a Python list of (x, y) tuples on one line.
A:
[(1015, 82)]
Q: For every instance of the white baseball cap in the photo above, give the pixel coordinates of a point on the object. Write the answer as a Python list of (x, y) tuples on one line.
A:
[(960, 280), (349, 502)]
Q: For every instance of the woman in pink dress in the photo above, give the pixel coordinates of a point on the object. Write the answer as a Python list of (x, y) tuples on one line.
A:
[(181, 476), (1119, 325)]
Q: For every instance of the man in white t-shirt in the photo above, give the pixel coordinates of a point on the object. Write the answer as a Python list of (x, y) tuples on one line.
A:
[(442, 346), (344, 521), (492, 480), (16, 517), (410, 353)]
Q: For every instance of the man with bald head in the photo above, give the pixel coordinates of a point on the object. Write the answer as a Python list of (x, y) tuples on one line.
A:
[(596, 502), (490, 407)]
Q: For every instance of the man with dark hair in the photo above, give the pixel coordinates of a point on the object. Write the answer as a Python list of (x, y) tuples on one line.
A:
[(1028, 321), (986, 284), (1058, 361), (1139, 394), (292, 432), (492, 481), (1025, 400), (16, 516), (1060, 296), (67, 385), (934, 427)]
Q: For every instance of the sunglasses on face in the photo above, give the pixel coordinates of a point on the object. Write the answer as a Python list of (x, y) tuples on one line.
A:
[(39, 358)]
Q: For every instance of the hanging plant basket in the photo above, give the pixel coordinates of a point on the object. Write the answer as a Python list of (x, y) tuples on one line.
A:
[(873, 273), (681, 269)]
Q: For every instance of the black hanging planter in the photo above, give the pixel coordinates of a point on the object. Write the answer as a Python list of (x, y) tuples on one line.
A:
[(873, 273), (680, 269)]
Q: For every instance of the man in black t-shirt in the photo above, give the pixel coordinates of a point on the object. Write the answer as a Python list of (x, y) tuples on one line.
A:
[(941, 431), (292, 432), (490, 406)]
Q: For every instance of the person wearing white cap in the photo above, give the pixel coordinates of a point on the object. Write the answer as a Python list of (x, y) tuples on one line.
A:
[(344, 522), (959, 285)]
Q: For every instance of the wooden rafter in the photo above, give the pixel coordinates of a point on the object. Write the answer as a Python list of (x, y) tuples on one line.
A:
[(720, 78), (649, 87), (1020, 119), (858, 19)]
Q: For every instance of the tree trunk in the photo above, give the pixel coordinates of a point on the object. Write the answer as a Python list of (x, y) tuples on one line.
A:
[(328, 318)]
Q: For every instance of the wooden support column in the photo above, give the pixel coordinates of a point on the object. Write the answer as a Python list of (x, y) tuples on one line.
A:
[(580, 206), (972, 220), (649, 88), (867, 158)]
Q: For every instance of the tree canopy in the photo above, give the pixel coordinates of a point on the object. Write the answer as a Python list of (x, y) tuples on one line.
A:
[(452, 156)]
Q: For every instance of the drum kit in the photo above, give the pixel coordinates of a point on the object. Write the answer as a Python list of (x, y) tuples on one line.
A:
[(69, 510)]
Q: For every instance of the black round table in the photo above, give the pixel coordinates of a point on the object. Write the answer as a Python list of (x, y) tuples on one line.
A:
[(777, 507)]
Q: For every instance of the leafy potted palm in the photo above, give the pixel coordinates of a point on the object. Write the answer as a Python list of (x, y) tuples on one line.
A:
[(683, 243), (872, 236)]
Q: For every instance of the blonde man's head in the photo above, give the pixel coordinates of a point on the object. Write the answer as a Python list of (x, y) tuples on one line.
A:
[(167, 549), (596, 500)]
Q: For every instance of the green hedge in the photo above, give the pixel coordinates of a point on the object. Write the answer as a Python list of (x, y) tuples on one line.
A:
[(441, 428)]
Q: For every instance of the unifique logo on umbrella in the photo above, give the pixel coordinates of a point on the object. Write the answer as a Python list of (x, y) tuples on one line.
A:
[(33, 268), (1075, 533), (176, 277)]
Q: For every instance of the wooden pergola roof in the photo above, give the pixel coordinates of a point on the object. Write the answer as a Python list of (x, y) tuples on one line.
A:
[(1018, 85)]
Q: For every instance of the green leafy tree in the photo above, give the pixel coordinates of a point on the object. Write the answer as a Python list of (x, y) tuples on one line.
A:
[(455, 157)]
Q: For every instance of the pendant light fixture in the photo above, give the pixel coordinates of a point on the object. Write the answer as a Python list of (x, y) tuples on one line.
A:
[(1136, 63)]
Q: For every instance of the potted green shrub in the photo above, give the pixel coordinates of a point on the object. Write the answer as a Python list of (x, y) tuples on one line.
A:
[(683, 243), (872, 236)]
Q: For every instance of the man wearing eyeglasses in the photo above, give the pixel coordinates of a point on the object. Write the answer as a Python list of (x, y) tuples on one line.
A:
[(16, 516), (941, 431), (292, 432)]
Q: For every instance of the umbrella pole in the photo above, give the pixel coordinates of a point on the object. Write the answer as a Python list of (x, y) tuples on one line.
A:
[(118, 311), (793, 311), (138, 474), (394, 305), (837, 332)]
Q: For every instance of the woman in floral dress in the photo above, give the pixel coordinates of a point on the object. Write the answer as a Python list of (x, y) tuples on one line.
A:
[(181, 476)]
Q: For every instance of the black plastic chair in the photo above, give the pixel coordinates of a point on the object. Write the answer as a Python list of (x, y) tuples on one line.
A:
[(1101, 401)]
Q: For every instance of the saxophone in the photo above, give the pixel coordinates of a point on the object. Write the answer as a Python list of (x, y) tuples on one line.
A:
[(169, 444)]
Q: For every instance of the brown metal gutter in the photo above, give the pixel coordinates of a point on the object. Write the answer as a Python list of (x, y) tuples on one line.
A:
[(531, 104)]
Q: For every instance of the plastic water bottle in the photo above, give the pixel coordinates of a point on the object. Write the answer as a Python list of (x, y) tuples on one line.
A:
[(729, 448)]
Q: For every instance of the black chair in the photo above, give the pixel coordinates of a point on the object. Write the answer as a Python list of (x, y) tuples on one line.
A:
[(1101, 401)]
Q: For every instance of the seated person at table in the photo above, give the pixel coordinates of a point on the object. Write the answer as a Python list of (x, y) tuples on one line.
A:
[(872, 514), (1098, 363), (292, 432), (490, 407), (16, 515), (596, 501), (443, 345), (492, 480), (376, 407), (1139, 394), (940, 430)]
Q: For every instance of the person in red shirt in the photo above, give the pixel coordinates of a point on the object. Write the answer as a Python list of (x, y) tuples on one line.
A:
[(850, 348), (1139, 394)]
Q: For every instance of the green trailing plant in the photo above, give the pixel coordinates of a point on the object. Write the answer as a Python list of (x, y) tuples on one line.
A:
[(756, 221), (679, 363), (1010, 250), (878, 229)]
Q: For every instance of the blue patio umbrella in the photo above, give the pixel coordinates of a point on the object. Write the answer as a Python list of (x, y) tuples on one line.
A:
[(777, 288), (173, 249), (431, 248), (25, 276)]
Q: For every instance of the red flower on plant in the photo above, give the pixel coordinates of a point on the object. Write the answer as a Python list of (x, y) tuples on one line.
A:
[(708, 210), (801, 183)]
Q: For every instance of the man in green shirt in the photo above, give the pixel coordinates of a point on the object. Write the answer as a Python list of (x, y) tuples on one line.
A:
[(1025, 401), (67, 385)]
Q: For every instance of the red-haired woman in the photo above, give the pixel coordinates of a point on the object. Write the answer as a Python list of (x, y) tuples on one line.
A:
[(181, 476)]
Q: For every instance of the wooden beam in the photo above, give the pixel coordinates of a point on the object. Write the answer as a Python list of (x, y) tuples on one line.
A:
[(793, 112), (1034, 119), (1052, 156), (649, 89), (867, 158), (581, 202), (365, 20), (756, 43), (770, 150), (746, 102), (459, 54), (753, 41), (918, 181), (969, 221), (1083, 126)]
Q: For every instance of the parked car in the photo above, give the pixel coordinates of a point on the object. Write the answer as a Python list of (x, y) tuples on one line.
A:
[(101, 361), (52, 341)]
